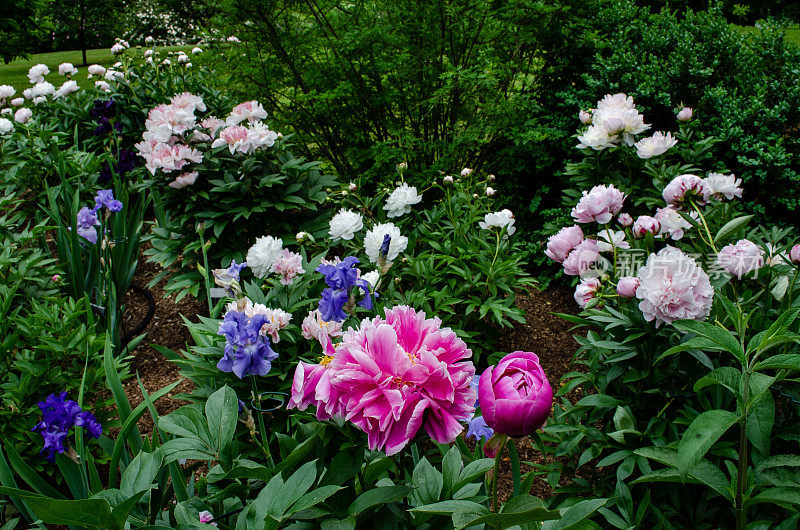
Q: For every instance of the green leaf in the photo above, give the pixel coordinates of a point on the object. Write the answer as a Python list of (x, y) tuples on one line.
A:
[(782, 361), (376, 497), (730, 228), (476, 468), (703, 432), (222, 413), (785, 496), (575, 515), (518, 510), (94, 513), (141, 472), (451, 468), (760, 421), (704, 471), (448, 507), (295, 487), (312, 498), (427, 483), (337, 524), (722, 337)]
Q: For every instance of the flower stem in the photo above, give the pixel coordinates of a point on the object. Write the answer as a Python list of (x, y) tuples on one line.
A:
[(705, 225), (741, 474), (516, 476), (496, 479)]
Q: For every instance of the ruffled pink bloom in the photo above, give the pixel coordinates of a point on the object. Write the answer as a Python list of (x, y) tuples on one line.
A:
[(673, 287), (600, 205), (740, 258), (685, 187), (183, 180), (515, 395), (314, 327), (23, 115), (586, 290), (236, 137), (625, 219), (627, 285), (581, 259), (188, 101), (164, 121), (167, 157), (277, 320), (672, 222), (312, 386), (288, 265), (585, 117), (794, 254), (646, 225), (401, 373), (559, 245), (249, 110)]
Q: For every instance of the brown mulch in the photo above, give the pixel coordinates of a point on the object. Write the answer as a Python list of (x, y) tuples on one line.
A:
[(165, 329)]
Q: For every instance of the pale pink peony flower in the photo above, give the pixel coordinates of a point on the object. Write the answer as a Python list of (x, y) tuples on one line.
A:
[(17, 102), (586, 290), (212, 124), (277, 320), (560, 244), (608, 240), (740, 258), (723, 186), (236, 137), (585, 117), (596, 137), (287, 265), (183, 180), (646, 225), (627, 285), (600, 205), (401, 373), (673, 287), (794, 254), (686, 187), (448, 179), (672, 223), (314, 327), (467, 171), (188, 101), (102, 86), (249, 110), (685, 114), (655, 145), (625, 219), (206, 517), (490, 191), (6, 91), (23, 115), (582, 258)]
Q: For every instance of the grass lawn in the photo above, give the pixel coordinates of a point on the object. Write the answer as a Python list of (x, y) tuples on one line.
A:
[(792, 34), (16, 72)]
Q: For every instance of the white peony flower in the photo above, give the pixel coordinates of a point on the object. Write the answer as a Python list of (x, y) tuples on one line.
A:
[(103, 86), (374, 239), (401, 200), (6, 91), (36, 73), (371, 278), (655, 145), (727, 186), (23, 115), (196, 50), (67, 88), (345, 224), (617, 240), (503, 218), (43, 89), (672, 223), (6, 126), (597, 138), (262, 254), (67, 69)]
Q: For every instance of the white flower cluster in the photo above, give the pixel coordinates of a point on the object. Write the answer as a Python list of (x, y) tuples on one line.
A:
[(401, 200), (345, 224)]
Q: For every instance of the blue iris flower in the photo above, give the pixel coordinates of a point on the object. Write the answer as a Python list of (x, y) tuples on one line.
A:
[(59, 415), (478, 429), (341, 279), (247, 352)]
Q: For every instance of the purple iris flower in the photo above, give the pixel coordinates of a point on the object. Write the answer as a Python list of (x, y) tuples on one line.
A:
[(341, 279), (247, 352), (103, 127), (474, 384), (103, 108), (478, 429), (87, 220), (105, 199), (234, 269), (126, 162), (383, 252), (59, 415)]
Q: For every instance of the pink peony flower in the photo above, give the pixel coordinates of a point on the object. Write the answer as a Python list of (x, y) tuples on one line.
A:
[(686, 187), (625, 219), (600, 205), (627, 285), (17, 102), (560, 244), (585, 117), (277, 320), (183, 180), (403, 372), (249, 110), (685, 114), (206, 517), (515, 395), (794, 254), (740, 258), (723, 186), (646, 225), (314, 327), (236, 137), (586, 290), (608, 240), (288, 265), (23, 115), (673, 287), (582, 258), (312, 386)]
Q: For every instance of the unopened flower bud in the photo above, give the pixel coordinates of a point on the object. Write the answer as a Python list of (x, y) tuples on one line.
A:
[(466, 172), (685, 114), (490, 177), (794, 254), (585, 117), (489, 191), (353, 186), (448, 179), (56, 278)]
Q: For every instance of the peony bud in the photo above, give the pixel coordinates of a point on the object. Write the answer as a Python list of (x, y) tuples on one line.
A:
[(448, 179), (352, 186), (646, 225), (466, 172), (794, 254), (685, 114), (627, 286), (625, 219), (489, 191), (585, 117)]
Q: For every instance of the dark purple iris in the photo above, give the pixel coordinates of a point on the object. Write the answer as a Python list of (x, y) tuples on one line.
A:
[(103, 127), (384, 250), (341, 279), (59, 416), (103, 108), (126, 162), (247, 351)]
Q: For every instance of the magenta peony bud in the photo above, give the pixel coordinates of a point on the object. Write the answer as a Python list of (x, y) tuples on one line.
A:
[(685, 114), (627, 285), (585, 117), (646, 225), (625, 219), (794, 254), (515, 395)]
